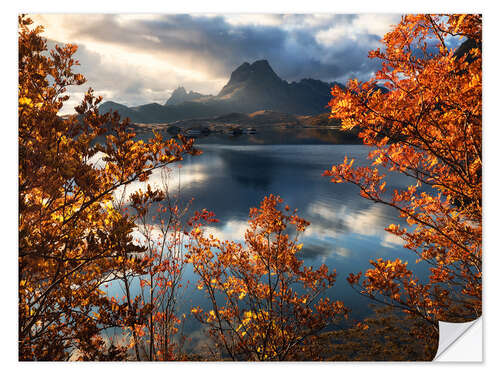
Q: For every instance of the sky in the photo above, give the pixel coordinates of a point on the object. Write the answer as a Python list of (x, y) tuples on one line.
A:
[(135, 59)]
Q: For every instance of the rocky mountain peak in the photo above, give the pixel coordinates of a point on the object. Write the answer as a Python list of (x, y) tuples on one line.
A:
[(251, 87), (180, 95), (258, 74)]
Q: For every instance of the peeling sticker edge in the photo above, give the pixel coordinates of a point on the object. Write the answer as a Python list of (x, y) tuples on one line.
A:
[(450, 337)]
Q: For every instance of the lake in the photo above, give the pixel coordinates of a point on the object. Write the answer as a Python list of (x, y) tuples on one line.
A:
[(346, 230)]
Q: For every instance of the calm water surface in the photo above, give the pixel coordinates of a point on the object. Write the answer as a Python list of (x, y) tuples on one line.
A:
[(346, 230)]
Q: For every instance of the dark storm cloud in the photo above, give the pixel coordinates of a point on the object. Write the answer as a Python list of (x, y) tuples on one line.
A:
[(218, 47), (137, 59)]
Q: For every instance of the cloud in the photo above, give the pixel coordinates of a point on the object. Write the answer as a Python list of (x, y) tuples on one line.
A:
[(329, 224), (175, 177), (233, 230), (323, 251), (391, 240), (139, 58)]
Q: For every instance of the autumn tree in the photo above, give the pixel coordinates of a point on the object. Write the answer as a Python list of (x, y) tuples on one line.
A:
[(265, 304), (71, 237), (427, 127), (160, 231)]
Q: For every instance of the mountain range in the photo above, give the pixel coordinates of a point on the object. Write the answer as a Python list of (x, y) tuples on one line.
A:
[(251, 87)]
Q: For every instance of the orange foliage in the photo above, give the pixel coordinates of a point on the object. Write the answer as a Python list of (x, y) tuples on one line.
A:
[(74, 237), (71, 237), (428, 127), (265, 304), (160, 278)]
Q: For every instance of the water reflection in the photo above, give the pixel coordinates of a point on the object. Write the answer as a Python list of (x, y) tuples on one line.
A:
[(346, 230)]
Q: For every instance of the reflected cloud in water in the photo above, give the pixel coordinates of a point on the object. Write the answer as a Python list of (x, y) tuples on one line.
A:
[(346, 230), (323, 252), (330, 223), (233, 230), (229, 179)]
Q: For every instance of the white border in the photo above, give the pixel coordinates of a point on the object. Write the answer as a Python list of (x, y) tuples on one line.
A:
[(491, 136)]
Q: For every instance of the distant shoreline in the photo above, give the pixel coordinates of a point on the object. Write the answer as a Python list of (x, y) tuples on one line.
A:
[(268, 135)]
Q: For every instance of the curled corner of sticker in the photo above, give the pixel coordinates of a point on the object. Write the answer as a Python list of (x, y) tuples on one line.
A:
[(460, 342)]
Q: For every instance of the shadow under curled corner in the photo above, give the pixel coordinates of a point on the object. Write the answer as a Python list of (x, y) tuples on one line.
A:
[(460, 342)]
